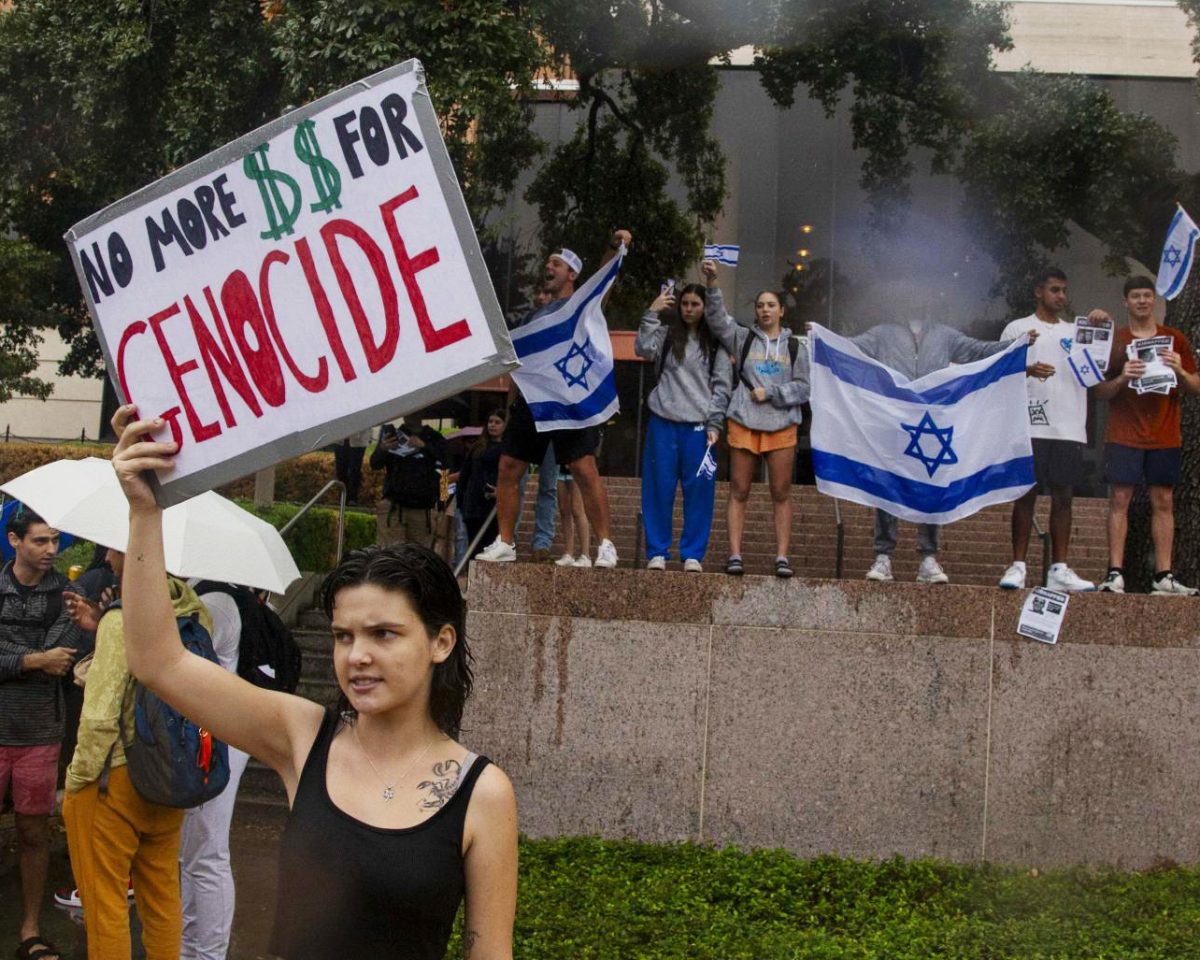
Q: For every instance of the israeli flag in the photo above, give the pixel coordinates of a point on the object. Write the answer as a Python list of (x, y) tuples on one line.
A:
[(1176, 262), (726, 253), (1085, 368), (931, 450), (566, 372)]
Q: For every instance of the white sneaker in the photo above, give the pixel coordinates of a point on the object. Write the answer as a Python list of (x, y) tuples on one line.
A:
[(1113, 582), (657, 563), (583, 560), (606, 555), (1066, 580), (1170, 587), (881, 569), (1014, 576), (692, 565), (566, 560), (498, 552), (931, 571)]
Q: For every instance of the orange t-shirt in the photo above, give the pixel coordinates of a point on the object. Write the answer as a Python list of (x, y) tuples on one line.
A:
[(1151, 421)]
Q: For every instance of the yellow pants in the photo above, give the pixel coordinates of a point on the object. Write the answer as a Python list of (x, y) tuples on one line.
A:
[(115, 838)]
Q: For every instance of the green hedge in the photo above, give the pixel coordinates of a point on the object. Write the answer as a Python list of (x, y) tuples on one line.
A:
[(313, 541), (587, 899)]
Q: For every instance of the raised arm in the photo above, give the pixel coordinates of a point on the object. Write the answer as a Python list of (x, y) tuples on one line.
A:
[(277, 728), (722, 325), (651, 331), (614, 245), (964, 349)]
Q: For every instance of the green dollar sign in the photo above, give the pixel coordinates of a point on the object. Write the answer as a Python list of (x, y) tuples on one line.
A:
[(280, 215), (325, 174)]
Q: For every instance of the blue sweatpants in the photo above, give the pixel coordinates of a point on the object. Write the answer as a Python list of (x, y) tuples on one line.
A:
[(674, 452)]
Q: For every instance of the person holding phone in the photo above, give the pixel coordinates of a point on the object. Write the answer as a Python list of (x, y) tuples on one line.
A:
[(684, 423)]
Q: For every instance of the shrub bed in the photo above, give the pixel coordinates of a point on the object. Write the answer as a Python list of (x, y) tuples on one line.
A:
[(588, 899)]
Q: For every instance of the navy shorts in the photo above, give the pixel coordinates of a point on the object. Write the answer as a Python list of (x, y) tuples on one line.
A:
[(1129, 466), (1057, 463)]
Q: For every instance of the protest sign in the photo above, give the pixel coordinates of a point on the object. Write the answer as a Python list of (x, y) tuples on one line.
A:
[(315, 277), (1042, 614)]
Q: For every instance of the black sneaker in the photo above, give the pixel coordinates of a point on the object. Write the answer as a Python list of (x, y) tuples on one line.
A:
[(734, 567), (783, 569)]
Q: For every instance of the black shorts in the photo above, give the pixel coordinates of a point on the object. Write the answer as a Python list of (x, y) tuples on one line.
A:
[(522, 440), (1129, 466), (1057, 463)]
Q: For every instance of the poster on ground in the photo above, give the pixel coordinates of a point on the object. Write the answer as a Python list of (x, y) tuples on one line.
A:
[(314, 277)]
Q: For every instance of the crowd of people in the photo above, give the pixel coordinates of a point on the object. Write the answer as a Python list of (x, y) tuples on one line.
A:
[(749, 381)]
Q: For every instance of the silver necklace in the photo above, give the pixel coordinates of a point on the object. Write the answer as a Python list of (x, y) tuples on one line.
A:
[(389, 790)]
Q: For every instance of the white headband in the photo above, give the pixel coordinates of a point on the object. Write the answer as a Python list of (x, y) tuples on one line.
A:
[(570, 258)]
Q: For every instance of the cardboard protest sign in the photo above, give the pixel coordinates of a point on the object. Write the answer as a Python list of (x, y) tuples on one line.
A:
[(312, 278)]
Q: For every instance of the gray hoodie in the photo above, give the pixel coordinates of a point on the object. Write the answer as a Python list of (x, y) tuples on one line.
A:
[(768, 365), (937, 346), (685, 390)]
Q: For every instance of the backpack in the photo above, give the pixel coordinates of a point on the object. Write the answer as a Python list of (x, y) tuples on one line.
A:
[(268, 655), (793, 350), (171, 761)]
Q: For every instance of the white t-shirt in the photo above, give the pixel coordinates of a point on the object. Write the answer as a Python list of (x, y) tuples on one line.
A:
[(1058, 404)]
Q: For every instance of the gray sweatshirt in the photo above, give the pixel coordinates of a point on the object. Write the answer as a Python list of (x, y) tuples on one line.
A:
[(938, 346), (769, 365), (685, 389)]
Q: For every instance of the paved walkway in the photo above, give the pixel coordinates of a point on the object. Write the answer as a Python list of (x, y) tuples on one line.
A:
[(254, 844)]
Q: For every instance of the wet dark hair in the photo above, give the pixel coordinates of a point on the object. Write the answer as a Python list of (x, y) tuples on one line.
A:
[(428, 583), (677, 330), (1138, 282), (1042, 277), (21, 519)]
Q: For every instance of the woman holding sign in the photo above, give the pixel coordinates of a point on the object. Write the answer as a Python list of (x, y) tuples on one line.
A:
[(393, 823), (683, 426), (763, 409)]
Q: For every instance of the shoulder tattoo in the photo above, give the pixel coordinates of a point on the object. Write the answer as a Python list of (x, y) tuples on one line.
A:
[(441, 788)]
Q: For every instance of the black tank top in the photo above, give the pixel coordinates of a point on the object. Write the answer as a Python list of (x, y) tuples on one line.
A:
[(347, 889)]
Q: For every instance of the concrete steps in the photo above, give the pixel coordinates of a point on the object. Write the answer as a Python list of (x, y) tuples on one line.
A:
[(974, 551)]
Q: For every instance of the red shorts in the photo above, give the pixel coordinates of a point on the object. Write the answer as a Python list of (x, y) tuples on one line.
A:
[(34, 775)]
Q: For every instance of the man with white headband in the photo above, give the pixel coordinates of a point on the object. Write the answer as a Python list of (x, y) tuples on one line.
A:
[(523, 445)]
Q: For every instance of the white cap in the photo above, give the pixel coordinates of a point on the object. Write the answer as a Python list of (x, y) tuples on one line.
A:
[(570, 258)]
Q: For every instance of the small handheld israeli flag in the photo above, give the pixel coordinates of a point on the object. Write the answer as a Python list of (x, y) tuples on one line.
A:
[(726, 253), (1176, 262), (708, 466), (566, 372), (1085, 368)]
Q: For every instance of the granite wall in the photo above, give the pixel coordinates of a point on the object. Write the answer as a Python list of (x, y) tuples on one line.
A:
[(839, 716)]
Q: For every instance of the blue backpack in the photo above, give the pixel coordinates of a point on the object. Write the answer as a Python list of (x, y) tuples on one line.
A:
[(171, 761)]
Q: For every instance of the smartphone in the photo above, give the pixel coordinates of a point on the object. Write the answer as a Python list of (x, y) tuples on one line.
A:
[(667, 288)]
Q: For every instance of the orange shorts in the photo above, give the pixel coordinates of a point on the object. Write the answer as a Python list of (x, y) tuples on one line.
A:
[(759, 441)]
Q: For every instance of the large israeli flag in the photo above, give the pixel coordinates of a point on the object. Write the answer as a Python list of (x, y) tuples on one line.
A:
[(931, 450), (1176, 262), (566, 372)]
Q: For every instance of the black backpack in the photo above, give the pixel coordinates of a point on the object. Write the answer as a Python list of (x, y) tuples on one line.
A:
[(268, 655)]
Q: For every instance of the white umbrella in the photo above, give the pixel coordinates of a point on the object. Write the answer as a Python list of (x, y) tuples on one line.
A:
[(207, 536)]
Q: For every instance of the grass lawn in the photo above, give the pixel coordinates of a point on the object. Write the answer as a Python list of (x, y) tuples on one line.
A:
[(584, 898)]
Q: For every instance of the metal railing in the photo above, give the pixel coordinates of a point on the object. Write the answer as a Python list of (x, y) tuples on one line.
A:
[(841, 538), (471, 547), (1044, 535), (341, 521)]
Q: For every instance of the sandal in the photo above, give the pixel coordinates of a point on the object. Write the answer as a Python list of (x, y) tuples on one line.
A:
[(783, 569), (734, 567), (37, 948)]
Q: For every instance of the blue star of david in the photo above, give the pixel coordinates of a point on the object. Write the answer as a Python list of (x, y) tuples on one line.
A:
[(579, 377), (943, 436), (1172, 256)]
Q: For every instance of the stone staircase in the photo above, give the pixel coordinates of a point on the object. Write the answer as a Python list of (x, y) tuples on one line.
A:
[(974, 552)]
